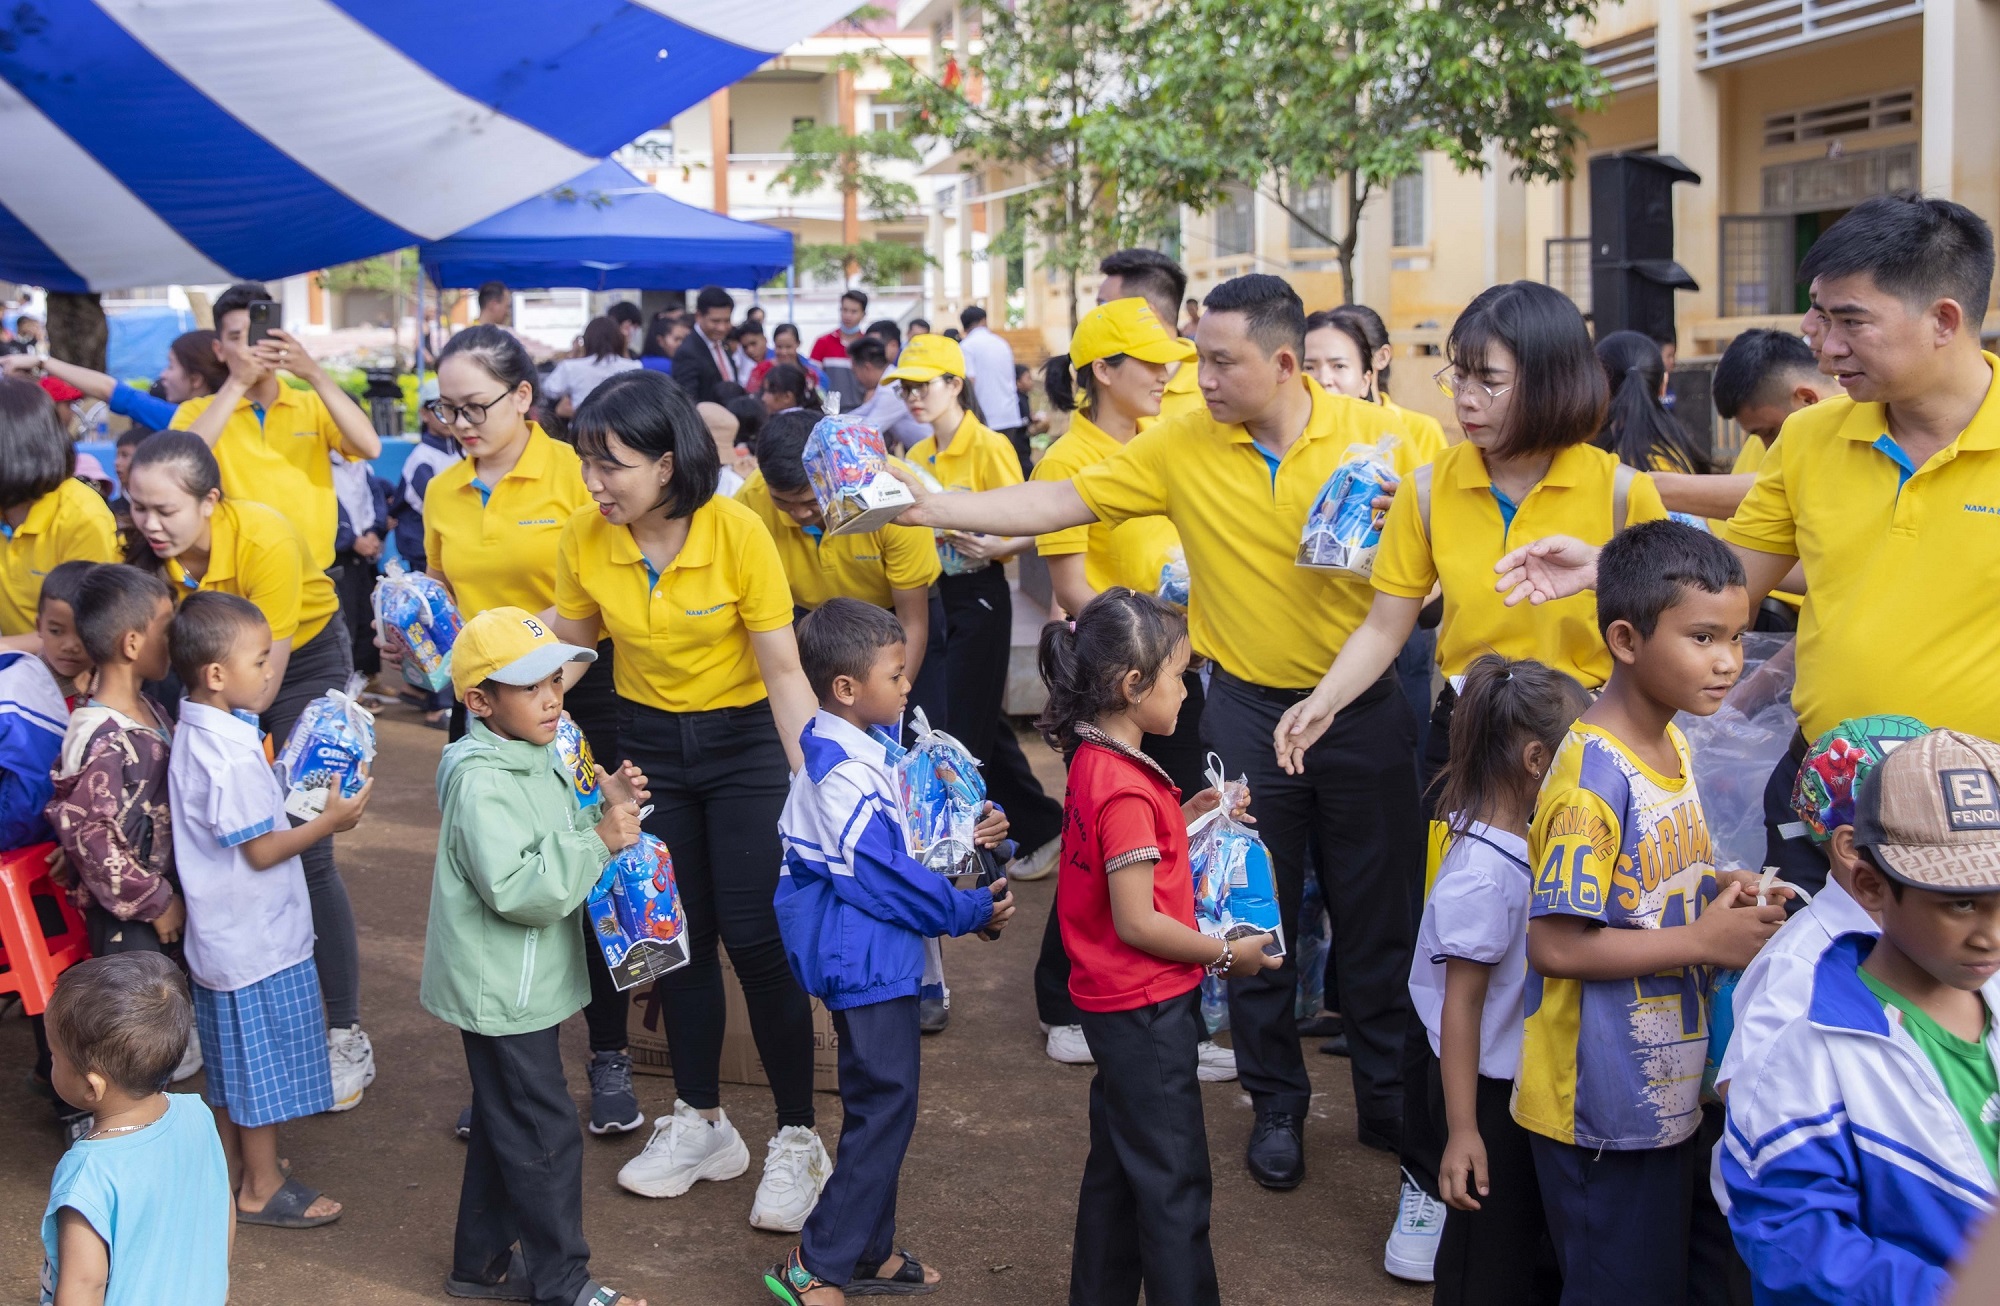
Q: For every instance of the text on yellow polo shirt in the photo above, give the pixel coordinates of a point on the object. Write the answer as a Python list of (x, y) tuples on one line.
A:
[(498, 549), (869, 566), (1239, 512), (281, 458), (1469, 533), (70, 523), (257, 554), (977, 458), (682, 635), (1901, 564), (1130, 553)]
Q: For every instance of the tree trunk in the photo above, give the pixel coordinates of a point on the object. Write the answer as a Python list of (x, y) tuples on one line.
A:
[(1350, 237), (78, 332)]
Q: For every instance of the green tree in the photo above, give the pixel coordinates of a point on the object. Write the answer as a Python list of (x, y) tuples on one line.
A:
[(848, 163)]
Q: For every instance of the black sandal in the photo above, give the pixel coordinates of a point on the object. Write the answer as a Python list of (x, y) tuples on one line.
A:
[(908, 1281), (511, 1286), (789, 1280)]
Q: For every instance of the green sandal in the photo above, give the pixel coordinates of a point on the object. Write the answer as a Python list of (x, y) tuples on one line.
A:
[(789, 1280)]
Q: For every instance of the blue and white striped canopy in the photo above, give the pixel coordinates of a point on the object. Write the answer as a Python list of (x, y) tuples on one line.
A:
[(145, 142)]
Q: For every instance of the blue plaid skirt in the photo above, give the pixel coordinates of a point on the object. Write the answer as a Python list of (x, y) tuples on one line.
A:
[(264, 1047)]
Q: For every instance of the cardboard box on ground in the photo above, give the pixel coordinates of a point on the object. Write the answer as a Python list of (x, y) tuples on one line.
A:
[(740, 1062)]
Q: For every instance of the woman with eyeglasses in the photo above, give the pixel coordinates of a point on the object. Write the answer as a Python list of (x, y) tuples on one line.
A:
[(492, 521), (964, 453), (1530, 396)]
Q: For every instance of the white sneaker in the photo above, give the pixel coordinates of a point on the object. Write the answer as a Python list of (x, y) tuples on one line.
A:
[(190, 1059), (1067, 1045), (795, 1169), (1216, 1064), (1035, 865), (1413, 1244), (685, 1147), (352, 1060)]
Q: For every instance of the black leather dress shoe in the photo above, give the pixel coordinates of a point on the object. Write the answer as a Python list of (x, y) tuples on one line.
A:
[(1276, 1155)]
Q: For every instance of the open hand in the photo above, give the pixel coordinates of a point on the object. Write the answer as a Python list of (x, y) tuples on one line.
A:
[(1553, 567), (626, 785), (282, 349)]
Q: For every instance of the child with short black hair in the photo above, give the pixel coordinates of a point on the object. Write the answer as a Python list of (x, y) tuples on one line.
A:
[(1467, 978), (139, 1210), (110, 809), (249, 939), (854, 908), (1125, 893), (1864, 1138), (1628, 916)]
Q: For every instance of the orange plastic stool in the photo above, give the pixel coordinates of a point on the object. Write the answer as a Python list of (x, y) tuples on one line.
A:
[(29, 959)]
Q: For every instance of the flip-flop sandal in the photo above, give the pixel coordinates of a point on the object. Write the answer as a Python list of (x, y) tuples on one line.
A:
[(513, 1286), (287, 1209), (905, 1282), (789, 1280)]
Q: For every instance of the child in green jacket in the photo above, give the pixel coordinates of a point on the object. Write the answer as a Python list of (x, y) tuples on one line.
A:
[(503, 958)]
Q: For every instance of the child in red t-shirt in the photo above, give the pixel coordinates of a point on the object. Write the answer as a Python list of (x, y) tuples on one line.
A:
[(1125, 899)]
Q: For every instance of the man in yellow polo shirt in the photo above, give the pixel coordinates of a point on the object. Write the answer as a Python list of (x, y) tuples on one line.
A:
[(1238, 480), (1889, 493), (273, 442)]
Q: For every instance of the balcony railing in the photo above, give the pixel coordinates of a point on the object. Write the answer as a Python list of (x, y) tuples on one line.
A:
[(1742, 31)]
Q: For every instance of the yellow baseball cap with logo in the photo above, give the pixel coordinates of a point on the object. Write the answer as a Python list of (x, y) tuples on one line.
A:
[(926, 358), (1129, 327), (512, 646)]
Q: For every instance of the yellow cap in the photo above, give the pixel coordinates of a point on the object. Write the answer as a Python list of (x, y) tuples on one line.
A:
[(510, 645), (1126, 326), (926, 358)]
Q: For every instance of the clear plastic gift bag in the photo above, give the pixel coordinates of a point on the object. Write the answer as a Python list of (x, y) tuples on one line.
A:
[(636, 917), (942, 793), (331, 744), (574, 750), (1235, 893), (416, 611), (848, 465), (1736, 749), (1343, 531)]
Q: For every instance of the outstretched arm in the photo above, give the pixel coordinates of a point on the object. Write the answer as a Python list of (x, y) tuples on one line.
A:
[(1032, 508)]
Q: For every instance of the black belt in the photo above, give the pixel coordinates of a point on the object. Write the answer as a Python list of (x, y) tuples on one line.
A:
[(1273, 694)]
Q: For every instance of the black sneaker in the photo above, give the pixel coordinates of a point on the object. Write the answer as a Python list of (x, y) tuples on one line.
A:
[(463, 1129), (614, 1107), (1276, 1155), (933, 1009)]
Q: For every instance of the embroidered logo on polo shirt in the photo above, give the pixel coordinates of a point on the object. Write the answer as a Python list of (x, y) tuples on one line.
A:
[(705, 612), (1984, 509), (538, 521)]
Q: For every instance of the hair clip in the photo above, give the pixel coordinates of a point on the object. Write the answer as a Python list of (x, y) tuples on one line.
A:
[(1072, 626)]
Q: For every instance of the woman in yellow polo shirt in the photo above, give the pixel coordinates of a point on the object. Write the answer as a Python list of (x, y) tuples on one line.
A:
[(184, 528), (963, 453), (690, 588), (492, 522), (47, 516)]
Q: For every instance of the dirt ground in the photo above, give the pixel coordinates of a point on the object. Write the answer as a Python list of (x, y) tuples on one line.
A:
[(988, 1192)]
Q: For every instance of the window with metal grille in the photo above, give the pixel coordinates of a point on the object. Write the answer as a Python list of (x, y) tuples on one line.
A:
[(1408, 224), (1813, 185), (1313, 228), (1236, 221), (1848, 118), (1759, 262), (1566, 266)]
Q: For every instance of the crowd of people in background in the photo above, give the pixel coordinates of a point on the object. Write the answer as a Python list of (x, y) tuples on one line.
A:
[(1610, 1068)]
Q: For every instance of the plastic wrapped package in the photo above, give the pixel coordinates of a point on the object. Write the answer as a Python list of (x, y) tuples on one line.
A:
[(848, 465), (416, 610), (1736, 749), (331, 744), (1235, 893), (1343, 530), (574, 750), (1174, 578), (942, 793), (635, 914), (950, 559)]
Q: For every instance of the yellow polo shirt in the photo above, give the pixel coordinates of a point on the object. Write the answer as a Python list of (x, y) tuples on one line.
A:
[(256, 553), (1901, 564), (1423, 430), (683, 634), (69, 523), (1256, 612), (499, 550), (870, 566), (281, 459), (978, 458), (1749, 459), (1131, 553), (1469, 534)]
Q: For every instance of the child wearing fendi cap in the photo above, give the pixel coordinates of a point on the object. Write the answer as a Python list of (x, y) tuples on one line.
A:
[(1862, 1142), (503, 960)]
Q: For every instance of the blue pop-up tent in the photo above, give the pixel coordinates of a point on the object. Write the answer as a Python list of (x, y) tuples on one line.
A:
[(608, 230)]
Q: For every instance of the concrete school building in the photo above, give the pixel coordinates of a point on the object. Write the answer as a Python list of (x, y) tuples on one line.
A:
[(1792, 111)]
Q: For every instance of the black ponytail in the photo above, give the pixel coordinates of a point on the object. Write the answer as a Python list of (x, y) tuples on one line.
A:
[(1084, 662), (1505, 704), (1638, 429), (1060, 383)]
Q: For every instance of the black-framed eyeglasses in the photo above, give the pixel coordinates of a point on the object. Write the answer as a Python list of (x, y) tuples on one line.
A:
[(448, 413)]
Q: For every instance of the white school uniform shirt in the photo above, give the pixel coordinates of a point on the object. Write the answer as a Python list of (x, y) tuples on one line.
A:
[(990, 359), (243, 925), (1478, 911), (1777, 986)]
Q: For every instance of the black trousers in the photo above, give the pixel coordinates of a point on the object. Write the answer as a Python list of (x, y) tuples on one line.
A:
[(1142, 1213), (1500, 1254), (1183, 758), (1018, 437), (927, 691), (1799, 861), (853, 1229), (354, 583), (1357, 805), (523, 1168), (323, 662), (1717, 1275), (979, 636), (1619, 1220), (719, 780)]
